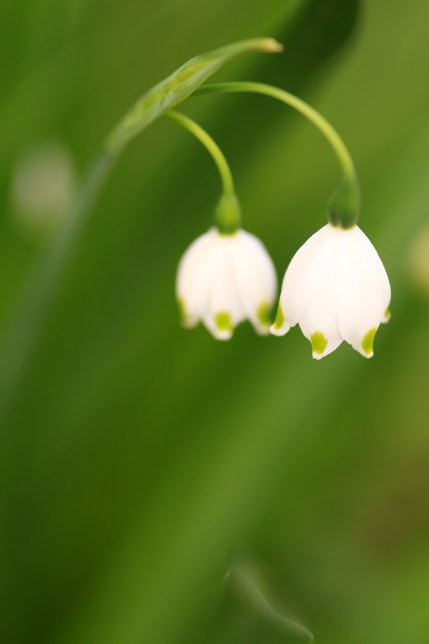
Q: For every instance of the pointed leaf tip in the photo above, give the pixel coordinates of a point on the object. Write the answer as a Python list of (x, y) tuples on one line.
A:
[(273, 46), (180, 85)]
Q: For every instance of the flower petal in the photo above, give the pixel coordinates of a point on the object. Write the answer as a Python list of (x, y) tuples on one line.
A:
[(363, 292), (195, 273), (300, 275), (224, 309), (309, 292), (319, 321), (255, 278)]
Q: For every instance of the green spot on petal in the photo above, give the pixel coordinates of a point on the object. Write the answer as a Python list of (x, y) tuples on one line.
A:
[(280, 318), (368, 342), (182, 310), (318, 342), (223, 321), (387, 314), (264, 313)]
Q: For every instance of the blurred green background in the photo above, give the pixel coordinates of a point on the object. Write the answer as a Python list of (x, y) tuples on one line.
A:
[(140, 462)]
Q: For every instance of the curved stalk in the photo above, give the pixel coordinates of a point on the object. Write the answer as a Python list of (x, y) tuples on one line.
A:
[(227, 214), (345, 204), (210, 145)]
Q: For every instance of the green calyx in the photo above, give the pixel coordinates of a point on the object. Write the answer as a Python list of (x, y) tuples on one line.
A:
[(228, 214), (344, 206)]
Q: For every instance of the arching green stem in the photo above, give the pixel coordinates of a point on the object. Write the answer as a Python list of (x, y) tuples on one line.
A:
[(344, 207), (228, 208), (210, 145)]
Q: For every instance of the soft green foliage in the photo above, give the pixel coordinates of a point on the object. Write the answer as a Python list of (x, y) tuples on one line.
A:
[(139, 461)]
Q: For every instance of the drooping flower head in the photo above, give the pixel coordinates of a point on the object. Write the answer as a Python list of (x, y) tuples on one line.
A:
[(224, 279), (336, 288)]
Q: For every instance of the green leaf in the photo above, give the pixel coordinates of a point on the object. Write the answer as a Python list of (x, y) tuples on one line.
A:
[(181, 84)]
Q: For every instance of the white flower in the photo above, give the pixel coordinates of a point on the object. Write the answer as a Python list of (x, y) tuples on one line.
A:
[(225, 279), (336, 288)]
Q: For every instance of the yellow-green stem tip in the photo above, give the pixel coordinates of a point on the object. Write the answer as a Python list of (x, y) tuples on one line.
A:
[(273, 46)]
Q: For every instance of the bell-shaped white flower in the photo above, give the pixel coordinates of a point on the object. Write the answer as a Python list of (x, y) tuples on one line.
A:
[(336, 288), (225, 279)]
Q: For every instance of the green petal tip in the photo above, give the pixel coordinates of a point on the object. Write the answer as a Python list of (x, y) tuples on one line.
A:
[(280, 318), (318, 343), (368, 343), (264, 314), (223, 322)]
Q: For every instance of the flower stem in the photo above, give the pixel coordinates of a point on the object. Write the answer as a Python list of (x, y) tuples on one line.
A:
[(344, 206), (228, 209), (210, 145)]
